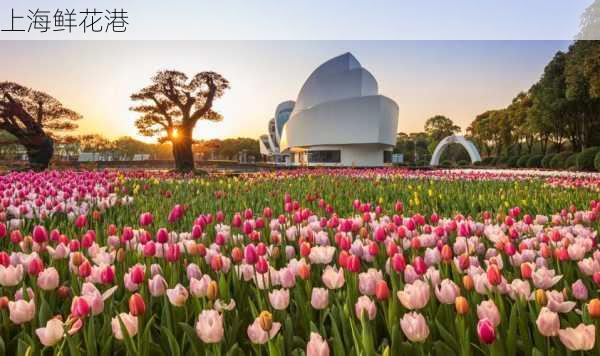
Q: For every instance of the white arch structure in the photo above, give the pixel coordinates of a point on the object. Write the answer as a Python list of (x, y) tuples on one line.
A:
[(468, 145)]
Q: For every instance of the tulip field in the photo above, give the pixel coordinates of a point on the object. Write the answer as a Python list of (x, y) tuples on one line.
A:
[(300, 262)]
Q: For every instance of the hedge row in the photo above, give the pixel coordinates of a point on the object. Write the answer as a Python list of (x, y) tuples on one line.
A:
[(587, 160)]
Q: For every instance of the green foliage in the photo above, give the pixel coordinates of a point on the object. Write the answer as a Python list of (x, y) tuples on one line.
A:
[(558, 161), (463, 163), (585, 159), (547, 159), (571, 162), (597, 162), (535, 161), (522, 161), (561, 106), (512, 161)]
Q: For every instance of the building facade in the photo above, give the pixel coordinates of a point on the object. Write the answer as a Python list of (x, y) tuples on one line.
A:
[(339, 119)]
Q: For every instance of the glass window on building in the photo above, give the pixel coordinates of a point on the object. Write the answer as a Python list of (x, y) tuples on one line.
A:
[(387, 156), (333, 156)]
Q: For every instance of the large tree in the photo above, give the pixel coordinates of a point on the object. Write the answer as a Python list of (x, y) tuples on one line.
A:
[(172, 105), (439, 126), (33, 117)]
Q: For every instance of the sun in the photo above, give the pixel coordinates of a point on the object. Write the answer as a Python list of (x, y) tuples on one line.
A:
[(175, 134)]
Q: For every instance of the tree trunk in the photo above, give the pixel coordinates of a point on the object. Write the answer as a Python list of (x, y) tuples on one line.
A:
[(182, 153), (39, 152)]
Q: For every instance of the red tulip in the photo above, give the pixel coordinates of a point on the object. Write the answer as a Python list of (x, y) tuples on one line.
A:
[(137, 306)]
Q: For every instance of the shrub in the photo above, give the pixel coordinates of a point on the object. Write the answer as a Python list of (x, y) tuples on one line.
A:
[(502, 160), (597, 162), (585, 159), (463, 163), (512, 161), (488, 161), (571, 161), (446, 164), (522, 161), (546, 160), (558, 161), (535, 161)]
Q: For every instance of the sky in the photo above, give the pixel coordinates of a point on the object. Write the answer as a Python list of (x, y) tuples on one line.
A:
[(323, 19), (459, 79)]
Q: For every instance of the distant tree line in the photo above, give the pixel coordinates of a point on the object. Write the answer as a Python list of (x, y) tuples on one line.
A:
[(561, 112), (126, 148)]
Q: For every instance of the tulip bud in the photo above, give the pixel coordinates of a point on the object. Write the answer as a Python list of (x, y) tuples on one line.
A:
[(266, 320), (493, 275), (64, 292), (382, 290), (85, 269), (80, 307), (526, 270), (540, 297), (446, 253), (486, 331), (468, 282), (304, 271), (216, 263), (4, 302), (137, 306), (237, 255), (212, 291), (594, 308), (462, 305), (36, 265)]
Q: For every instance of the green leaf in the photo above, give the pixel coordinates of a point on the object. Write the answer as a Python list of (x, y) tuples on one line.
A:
[(450, 340), (192, 336), (511, 335), (173, 345)]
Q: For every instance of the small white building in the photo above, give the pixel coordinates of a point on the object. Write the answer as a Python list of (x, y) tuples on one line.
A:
[(338, 119)]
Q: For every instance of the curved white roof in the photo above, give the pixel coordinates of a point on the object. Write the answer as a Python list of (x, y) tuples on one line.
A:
[(341, 77), (339, 104)]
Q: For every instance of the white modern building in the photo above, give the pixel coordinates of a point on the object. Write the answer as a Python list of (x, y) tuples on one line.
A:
[(338, 119), (269, 144)]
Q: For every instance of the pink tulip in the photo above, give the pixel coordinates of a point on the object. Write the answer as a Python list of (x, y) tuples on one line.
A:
[(333, 278), (21, 311), (199, 287), (130, 323), (580, 291), (415, 295), (486, 331), (48, 279), (39, 234), (367, 281), (209, 327), (279, 298), (544, 278), (548, 322), (80, 307), (447, 292), (257, 335), (319, 298), (11, 276), (157, 285), (367, 306), (317, 346), (146, 219), (582, 338), (414, 327), (178, 295), (488, 310), (557, 304), (52, 333)]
